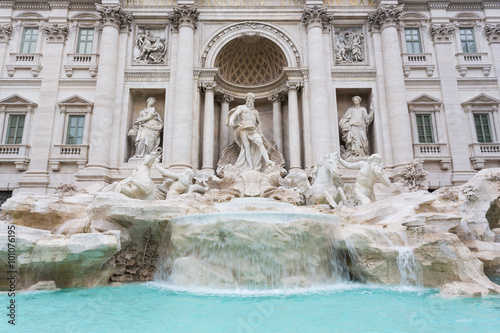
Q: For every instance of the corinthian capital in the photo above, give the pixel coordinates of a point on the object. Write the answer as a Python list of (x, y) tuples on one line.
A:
[(224, 98), (5, 31), (316, 16), (385, 16), (493, 33), (55, 33), (113, 15), (442, 33), (185, 16)]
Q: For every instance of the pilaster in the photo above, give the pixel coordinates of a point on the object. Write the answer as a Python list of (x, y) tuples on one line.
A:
[(294, 126), (208, 127)]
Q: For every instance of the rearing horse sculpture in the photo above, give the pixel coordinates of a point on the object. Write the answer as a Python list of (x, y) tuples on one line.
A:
[(325, 187)]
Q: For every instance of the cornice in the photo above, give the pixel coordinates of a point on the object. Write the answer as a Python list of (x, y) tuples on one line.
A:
[(139, 76), (21, 82)]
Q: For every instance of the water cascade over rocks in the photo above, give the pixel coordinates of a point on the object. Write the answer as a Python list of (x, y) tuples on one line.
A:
[(252, 248)]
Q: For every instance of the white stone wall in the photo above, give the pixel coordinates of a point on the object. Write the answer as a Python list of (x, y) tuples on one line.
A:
[(109, 87)]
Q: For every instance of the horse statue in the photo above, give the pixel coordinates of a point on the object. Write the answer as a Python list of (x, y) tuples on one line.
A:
[(324, 187)]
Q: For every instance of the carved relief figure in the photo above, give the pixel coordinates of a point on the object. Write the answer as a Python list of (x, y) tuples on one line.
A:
[(147, 129), (369, 172), (349, 45), (179, 183), (354, 126), (245, 121), (152, 48)]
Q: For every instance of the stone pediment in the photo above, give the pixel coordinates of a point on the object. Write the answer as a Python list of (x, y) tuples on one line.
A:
[(75, 100), (482, 99), (16, 100), (424, 99)]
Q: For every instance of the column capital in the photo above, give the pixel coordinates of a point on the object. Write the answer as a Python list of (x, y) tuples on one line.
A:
[(293, 85), (5, 31), (113, 15), (277, 98), (55, 33), (224, 98), (185, 16), (442, 33), (208, 85), (385, 16), (493, 33), (316, 17)]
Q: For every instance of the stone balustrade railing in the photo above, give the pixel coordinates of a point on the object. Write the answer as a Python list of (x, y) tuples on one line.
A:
[(466, 61), (418, 61), (17, 154), (30, 61), (81, 61)]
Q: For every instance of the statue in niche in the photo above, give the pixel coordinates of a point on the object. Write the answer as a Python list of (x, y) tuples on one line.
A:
[(354, 126), (254, 147), (147, 129), (152, 49), (139, 185), (349, 45), (369, 172)]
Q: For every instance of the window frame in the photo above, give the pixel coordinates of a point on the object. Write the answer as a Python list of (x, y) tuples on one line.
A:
[(78, 40), (33, 43), (474, 39), (488, 123), (67, 128), (420, 44), (11, 116), (430, 117)]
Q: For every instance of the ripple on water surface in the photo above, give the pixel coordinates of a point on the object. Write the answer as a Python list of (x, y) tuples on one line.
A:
[(153, 307)]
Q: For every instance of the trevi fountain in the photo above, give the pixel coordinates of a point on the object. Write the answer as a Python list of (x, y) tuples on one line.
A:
[(255, 248)]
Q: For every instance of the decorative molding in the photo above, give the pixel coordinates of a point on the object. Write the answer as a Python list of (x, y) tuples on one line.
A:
[(278, 98), (417, 7), (349, 75), (113, 16), (422, 82), (385, 16), (492, 5), (82, 7), (251, 25), (207, 85), (58, 4), (21, 82), (477, 82), (77, 82), (493, 33), (442, 33), (293, 85), (147, 76), (31, 6), (5, 31), (438, 5), (184, 16), (464, 6), (316, 17), (224, 98), (55, 33)]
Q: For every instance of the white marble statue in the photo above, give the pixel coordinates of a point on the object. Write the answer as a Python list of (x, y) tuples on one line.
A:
[(326, 186), (354, 127), (245, 121), (179, 183), (139, 185), (147, 129), (369, 172)]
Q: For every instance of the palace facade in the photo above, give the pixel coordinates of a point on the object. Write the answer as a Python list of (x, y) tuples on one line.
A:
[(74, 77)]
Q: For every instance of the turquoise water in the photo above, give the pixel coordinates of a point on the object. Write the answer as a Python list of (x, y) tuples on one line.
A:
[(153, 307)]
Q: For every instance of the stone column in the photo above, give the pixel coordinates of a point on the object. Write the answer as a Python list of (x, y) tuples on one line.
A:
[(185, 19), (224, 138), (493, 35), (443, 36), (315, 18), (277, 99), (293, 126), (386, 19), (37, 174), (5, 32), (208, 128), (112, 18)]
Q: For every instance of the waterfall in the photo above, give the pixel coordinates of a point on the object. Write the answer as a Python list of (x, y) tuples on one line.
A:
[(408, 269)]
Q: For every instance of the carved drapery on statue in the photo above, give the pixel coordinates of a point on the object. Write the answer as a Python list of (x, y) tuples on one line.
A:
[(354, 127), (251, 150), (147, 129)]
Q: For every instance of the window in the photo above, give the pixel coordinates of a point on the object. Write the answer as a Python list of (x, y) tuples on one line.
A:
[(468, 40), (85, 40), (75, 130), (28, 43), (15, 130), (424, 128), (482, 123), (413, 44)]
